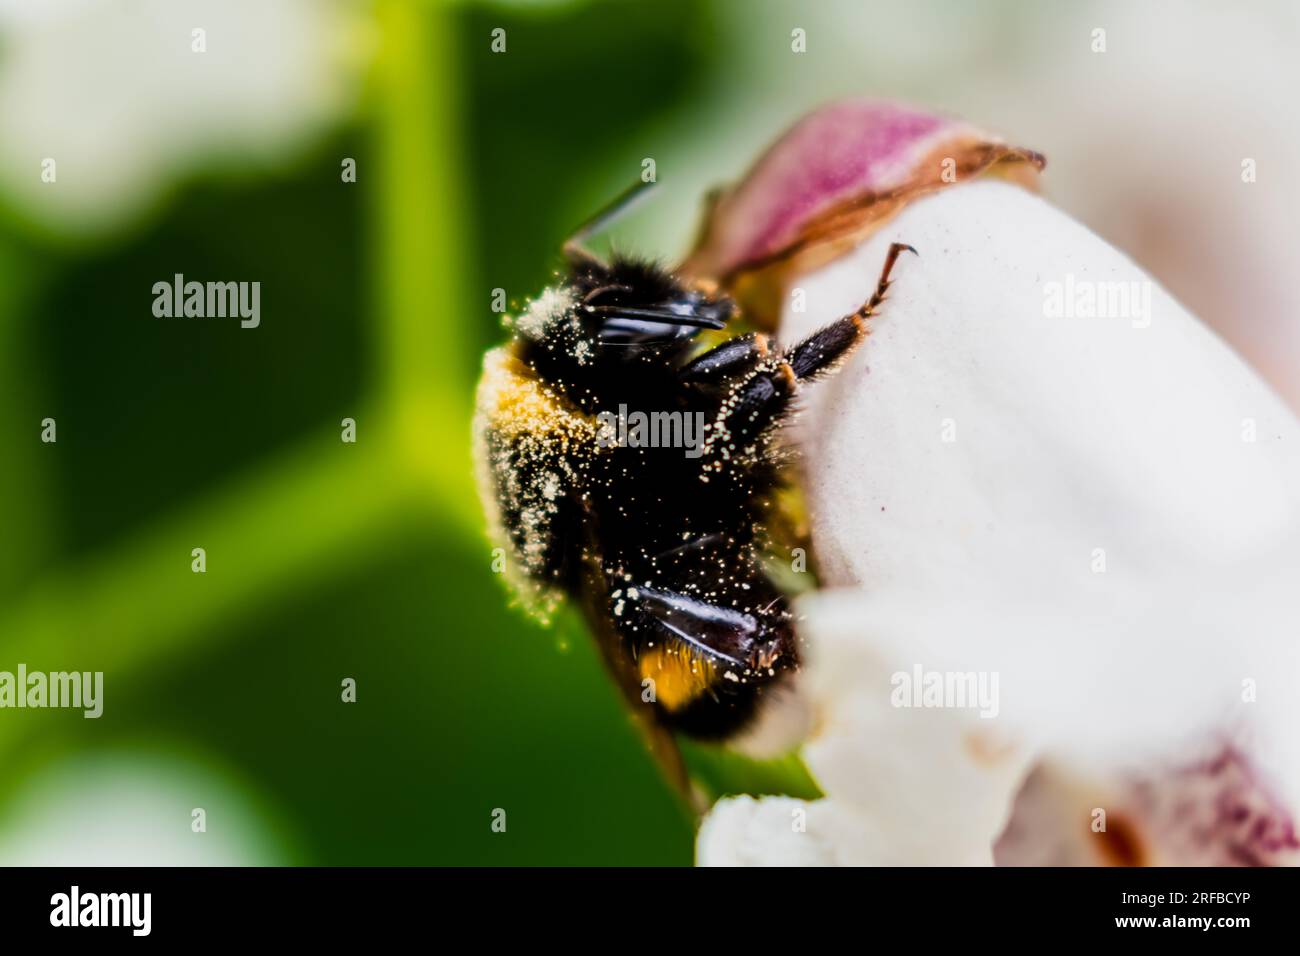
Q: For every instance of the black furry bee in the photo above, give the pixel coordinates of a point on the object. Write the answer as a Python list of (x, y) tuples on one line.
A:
[(662, 547)]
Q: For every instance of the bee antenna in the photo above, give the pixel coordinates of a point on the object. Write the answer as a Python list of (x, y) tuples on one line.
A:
[(574, 247)]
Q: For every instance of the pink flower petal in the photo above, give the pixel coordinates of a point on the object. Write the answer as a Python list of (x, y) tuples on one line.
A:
[(835, 176)]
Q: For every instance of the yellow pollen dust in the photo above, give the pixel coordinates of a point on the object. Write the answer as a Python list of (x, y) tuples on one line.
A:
[(522, 406), (679, 676)]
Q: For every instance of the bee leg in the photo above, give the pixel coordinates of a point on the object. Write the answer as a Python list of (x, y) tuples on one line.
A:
[(757, 403), (821, 350), (755, 385), (658, 738), (732, 357), (753, 407)]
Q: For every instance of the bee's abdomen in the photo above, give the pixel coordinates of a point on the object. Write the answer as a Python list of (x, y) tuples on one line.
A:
[(696, 610)]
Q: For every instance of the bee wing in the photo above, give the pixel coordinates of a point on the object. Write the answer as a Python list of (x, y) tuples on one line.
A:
[(659, 740)]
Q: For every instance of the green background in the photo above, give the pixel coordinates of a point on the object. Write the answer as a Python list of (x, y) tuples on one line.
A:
[(328, 560)]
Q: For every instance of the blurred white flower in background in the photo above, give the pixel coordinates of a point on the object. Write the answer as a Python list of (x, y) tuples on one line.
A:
[(137, 809), (118, 97)]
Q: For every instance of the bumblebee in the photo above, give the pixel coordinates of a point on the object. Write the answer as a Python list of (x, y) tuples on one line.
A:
[(661, 547)]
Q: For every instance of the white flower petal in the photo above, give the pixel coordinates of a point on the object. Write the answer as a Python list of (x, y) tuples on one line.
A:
[(1067, 434), (772, 831), (1074, 444), (1075, 505), (931, 786)]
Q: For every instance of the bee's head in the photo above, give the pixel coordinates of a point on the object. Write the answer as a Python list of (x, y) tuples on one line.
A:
[(634, 302), (610, 313)]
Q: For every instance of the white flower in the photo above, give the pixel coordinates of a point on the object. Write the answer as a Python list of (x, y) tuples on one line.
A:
[(138, 808), (1099, 514), (121, 100)]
